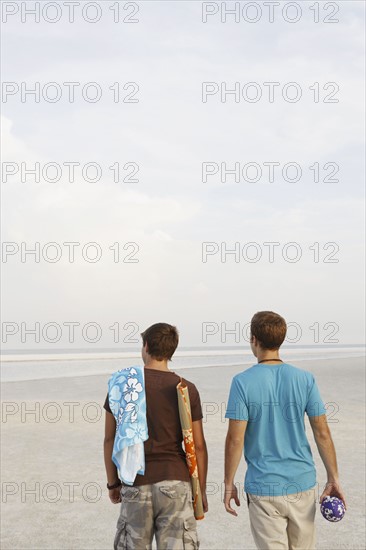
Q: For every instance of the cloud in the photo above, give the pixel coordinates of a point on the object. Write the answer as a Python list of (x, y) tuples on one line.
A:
[(169, 212)]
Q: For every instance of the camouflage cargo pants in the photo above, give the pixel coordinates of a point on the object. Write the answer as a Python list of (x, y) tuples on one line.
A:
[(162, 509)]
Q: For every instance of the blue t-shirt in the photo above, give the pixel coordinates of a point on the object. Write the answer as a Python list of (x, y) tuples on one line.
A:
[(274, 399)]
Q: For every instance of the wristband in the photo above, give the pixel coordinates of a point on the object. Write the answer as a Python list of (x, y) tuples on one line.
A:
[(115, 485)]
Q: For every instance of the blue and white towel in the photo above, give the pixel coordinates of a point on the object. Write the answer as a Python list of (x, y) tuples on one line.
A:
[(127, 400)]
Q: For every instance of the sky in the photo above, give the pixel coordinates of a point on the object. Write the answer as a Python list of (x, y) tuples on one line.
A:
[(163, 232)]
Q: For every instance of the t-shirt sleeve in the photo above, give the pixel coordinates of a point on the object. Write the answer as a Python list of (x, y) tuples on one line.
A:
[(106, 405), (314, 405), (237, 407), (196, 408)]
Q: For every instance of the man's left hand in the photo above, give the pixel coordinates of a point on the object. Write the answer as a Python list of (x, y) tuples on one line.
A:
[(115, 495)]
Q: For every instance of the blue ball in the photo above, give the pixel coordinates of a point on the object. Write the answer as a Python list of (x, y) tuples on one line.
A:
[(332, 508)]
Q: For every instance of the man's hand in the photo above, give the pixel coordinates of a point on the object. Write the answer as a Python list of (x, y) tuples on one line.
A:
[(333, 489), (233, 452), (115, 495), (231, 492), (204, 501)]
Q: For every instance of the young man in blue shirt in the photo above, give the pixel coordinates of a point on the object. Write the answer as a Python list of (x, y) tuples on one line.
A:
[(266, 409)]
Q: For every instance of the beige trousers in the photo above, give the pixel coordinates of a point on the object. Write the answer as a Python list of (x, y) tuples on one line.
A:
[(283, 523)]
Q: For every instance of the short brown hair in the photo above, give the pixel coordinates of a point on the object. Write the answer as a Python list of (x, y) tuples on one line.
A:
[(269, 328), (162, 341)]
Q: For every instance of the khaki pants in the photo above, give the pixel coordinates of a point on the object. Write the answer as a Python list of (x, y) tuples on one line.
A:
[(283, 523), (163, 509)]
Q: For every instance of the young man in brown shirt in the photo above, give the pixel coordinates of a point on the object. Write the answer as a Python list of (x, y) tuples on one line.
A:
[(160, 501)]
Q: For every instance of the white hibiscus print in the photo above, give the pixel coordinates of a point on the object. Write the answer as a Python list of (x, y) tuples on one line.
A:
[(132, 389), (129, 414)]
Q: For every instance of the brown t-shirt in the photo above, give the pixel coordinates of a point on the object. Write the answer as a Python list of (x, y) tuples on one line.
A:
[(164, 454)]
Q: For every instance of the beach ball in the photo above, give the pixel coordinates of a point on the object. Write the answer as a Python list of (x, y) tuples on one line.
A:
[(332, 508)]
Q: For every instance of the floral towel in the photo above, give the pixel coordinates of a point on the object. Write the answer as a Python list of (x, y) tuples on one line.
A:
[(127, 400)]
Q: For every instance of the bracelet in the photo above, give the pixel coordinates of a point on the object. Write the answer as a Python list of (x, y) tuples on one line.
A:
[(115, 485)]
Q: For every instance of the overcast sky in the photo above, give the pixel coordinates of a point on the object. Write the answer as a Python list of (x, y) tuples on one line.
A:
[(167, 135)]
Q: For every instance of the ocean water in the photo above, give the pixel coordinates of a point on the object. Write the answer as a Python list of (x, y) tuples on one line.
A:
[(26, 366)]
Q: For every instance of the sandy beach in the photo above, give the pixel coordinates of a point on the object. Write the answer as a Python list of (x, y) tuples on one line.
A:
[(54, 492)]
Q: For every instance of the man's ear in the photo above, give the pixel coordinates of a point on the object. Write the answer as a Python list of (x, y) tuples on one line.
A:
[(256, 342)]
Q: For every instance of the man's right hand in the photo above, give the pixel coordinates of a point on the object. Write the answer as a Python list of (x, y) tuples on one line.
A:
[(333, 489), (231, 492)]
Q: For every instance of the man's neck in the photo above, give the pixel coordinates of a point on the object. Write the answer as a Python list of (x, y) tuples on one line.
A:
[(266, 355), (157, 365)]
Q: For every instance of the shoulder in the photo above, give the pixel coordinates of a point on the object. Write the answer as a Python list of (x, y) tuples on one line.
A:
[(302, 375), (241, 380), (246, 375), (193, 391), (191, 387), (128, 372), (299, 372)]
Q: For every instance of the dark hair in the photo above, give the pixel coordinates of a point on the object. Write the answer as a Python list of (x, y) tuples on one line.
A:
[(162, 341), (269, 328)]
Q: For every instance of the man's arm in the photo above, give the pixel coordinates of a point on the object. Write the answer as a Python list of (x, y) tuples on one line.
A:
[(324, 442), (111, 468), (234, 446), (202, 458)]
